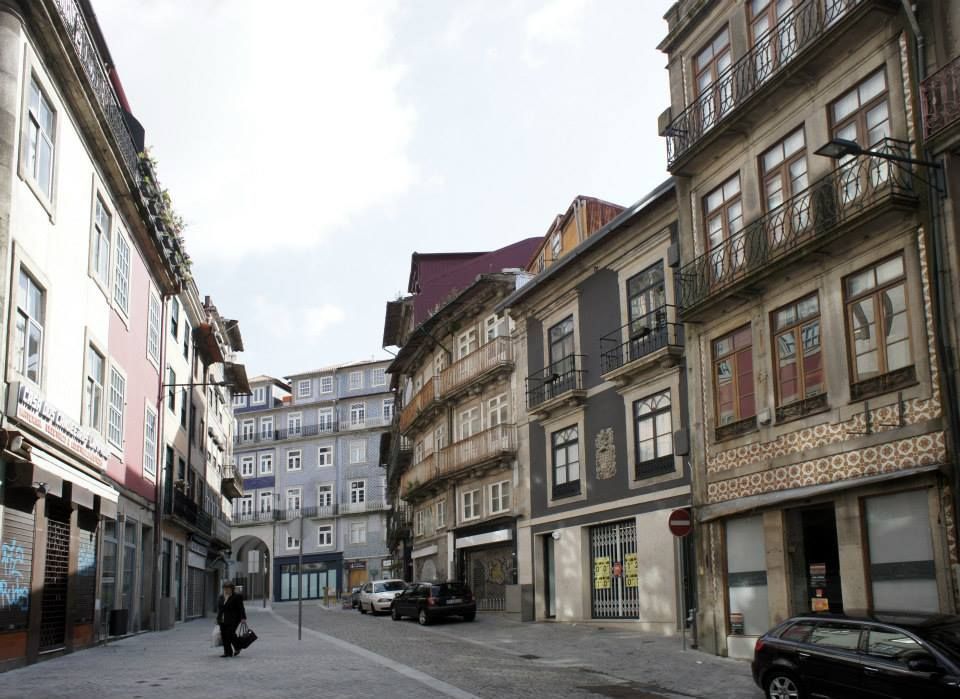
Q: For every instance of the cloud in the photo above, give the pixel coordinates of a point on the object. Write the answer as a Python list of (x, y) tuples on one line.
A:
[(317, 320), (271, 320), (556, 22)]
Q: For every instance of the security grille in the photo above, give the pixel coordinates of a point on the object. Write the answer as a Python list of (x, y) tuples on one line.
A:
[(613, 565), (489, 571), (53, 618), (196, 578)]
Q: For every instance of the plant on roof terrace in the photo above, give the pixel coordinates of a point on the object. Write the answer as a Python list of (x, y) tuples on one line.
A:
[(161, 205)]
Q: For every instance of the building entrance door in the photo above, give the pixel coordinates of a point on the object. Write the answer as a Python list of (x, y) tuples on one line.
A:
[(488, 571), (814, 560), (56, 574), (549, 577), (614, 593)]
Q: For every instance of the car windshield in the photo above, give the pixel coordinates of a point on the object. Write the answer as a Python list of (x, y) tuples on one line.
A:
[(946, 637), (392, 586), (450, 590)]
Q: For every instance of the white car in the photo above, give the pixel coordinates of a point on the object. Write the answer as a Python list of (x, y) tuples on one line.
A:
[(377, 596)]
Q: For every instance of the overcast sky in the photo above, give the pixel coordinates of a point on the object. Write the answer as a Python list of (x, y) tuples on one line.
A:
[(313, 146)]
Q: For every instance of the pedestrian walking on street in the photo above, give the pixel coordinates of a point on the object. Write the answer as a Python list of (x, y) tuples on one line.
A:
[(230, 614)]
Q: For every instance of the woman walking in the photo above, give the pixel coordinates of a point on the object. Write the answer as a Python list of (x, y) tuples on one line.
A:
[(229, 616)]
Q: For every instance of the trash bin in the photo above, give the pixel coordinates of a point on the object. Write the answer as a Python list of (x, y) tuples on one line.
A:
[(118, 621)]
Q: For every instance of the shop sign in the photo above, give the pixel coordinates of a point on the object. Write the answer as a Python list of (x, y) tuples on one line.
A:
[(29, 406), (601, 573), (356, 565), (631, 571), (736, 623)]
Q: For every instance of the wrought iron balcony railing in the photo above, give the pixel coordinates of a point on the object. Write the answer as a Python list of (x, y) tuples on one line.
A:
[(424, 398), (563, 376), (494, 354), (640, 338), (491, 444), (301, 432), (940, 98), (859, 185), (798, 30)]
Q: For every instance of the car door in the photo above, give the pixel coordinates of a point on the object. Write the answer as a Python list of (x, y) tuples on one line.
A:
[(365, 593), (830, 660), (407, 603), (897, 664)]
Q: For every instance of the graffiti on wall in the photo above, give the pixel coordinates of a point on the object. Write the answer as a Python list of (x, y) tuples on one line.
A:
[(14, 594)]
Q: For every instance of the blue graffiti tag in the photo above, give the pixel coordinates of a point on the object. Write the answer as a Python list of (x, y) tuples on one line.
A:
[(13, 593)]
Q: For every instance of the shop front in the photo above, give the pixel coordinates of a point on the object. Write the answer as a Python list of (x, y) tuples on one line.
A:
[(486, 561)]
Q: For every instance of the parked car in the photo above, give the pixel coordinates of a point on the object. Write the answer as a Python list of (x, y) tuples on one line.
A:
[(428, 601), (849, 655), (355, 597), (377, 596)]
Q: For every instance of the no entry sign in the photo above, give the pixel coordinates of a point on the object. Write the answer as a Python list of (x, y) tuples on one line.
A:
[(680, 522)]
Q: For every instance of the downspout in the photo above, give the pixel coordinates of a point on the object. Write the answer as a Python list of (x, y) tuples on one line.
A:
[(940, 280), (161, 470)]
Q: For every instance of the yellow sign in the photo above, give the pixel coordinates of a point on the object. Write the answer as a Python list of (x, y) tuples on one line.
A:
[(820, 604), (630, 572), (601, 573)]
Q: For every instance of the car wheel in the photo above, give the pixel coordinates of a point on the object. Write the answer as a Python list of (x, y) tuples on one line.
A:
[(394, 614), (780, 684), (469, 616), (360, 607), (373, 609), (422, 618)]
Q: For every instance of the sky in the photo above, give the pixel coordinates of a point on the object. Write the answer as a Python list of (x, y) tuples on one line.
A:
[(313, 146)]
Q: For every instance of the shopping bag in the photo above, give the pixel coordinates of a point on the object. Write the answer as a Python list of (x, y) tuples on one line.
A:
[(245, 636), (217, 638)]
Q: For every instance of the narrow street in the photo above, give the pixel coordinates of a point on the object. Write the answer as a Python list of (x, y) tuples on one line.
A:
[(345, 654)]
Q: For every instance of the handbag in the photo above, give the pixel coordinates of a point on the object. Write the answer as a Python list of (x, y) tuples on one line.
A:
[(217, 638), (245, 635)]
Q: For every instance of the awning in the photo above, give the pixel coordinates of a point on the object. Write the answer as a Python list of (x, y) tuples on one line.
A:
[(205, 340), (235, 377), (707, 513), (493, 537), (425, 551), (57, 468), (232, 328)]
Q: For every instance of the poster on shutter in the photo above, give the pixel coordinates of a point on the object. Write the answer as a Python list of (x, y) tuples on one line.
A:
[(630, 572), (601, 573)]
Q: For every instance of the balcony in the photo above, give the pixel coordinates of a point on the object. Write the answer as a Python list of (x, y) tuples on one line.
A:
[(559, 383), (305, 431), (655, 339), (421, 403), (861, 190), (231, 484), (484, 449), (485, 361), (940, 99), (799, 37), (221, 531), (189, 512), (369, 422), (418, 476), (244, 519)]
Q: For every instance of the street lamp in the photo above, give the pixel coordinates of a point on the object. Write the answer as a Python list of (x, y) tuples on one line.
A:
[(843, 147)]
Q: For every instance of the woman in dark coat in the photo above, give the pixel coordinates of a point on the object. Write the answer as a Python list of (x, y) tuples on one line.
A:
[(230, 614)]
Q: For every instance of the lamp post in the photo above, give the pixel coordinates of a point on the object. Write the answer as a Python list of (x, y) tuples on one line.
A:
[(842, 147), (300, 583)]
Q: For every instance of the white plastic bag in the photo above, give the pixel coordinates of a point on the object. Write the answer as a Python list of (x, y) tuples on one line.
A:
[(217, 638)]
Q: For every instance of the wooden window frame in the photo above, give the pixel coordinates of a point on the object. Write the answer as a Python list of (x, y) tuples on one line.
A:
[(860, 114), (741, 422), (804, 404), (722, 210)]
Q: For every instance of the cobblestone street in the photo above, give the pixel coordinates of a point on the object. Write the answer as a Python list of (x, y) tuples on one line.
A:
[(344, 654)]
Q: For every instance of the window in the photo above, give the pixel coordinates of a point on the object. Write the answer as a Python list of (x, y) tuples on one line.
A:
[(294, 460), (239, 401), (118, 395), (358, 414), (325, 456), (862, 114), (41, 139), (183, 408), (379, 376), (153, 328), (121, 275), (778, 48), (266, 501), (186, 338), (556, 245), (294, 498), (245, 507), (653, 434), (441, 514), (325, 420), (466, 343), (440, 437), (877, 322), (747, 573), (303, 388), (495, 326), (541, 262), (150, 441), (733, 377), (895, 646), (266, 464), (798, 326), (784, 171), (326, 384), (30, 316), (358, 452), (247, 430), (562, 347), (387, 409), (471, 504), (325, 535), (709, 64), (358, 492), (259, 395), (836, 635), (439, 362), (96, 375), (418, 523), (246, 466), (358, 532), (498, 411), (266, 427), (356, 380), (723, 219), (469, 423), (646, 298), (325, 495), (294, 424), (293, 542), (566, 461), (500, 497), (174, 316)]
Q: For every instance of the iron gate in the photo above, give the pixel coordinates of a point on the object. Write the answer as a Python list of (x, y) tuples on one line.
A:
[(613, 566), (56, 573), (196, 577), (488, 572)]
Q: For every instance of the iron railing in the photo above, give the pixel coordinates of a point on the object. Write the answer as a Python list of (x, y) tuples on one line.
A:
[(186, 509), (231, 484), (260, 436), (482, 447), (424, 398), (940, 98), (644, 335), (561, 377), (797, 31), (496, 353), (858, 185)]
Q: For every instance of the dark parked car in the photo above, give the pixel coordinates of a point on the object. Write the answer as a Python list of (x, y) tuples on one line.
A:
[(877, 655), (428, 601)]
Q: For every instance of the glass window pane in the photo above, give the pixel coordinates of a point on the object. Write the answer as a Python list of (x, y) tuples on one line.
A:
[(872, 86), (845, 636), (747, 573), (889, 270)]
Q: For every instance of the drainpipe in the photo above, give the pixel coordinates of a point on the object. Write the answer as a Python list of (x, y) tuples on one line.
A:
[(940, 280), (161, 472)]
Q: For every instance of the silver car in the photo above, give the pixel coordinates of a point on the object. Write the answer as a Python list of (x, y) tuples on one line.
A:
[(377, 596)]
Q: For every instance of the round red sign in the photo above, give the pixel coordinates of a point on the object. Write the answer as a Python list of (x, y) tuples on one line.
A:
[(680, 522)]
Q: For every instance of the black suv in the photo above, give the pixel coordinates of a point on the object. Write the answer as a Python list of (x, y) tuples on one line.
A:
[(876, 655), (428, 601)]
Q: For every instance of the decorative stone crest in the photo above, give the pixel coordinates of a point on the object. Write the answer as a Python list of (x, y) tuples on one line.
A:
[(606, 454)]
